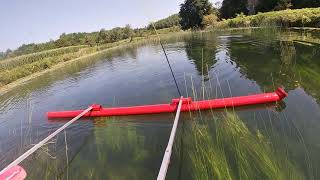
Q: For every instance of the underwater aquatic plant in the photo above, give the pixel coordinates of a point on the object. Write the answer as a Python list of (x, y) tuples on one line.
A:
[(226, 149)]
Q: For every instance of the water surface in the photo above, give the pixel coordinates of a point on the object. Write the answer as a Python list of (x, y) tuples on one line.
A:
[(206, 65)]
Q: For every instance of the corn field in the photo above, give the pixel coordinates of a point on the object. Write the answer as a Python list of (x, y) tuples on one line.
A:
[(11, 63)]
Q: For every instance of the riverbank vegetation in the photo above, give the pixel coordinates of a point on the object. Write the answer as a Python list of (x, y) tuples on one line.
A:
[(92, 39), (231, 8), (309, 17), (30, 58), (13, 69), (198, 14), (194, 15)]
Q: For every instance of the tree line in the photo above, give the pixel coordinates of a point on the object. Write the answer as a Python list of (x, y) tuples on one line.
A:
[(173, 20), (230, 8), (193, 14), (94, 38), (200, 13), (82, 38)]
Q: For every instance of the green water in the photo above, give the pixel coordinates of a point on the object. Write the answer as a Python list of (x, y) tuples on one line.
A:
[(276, 141)]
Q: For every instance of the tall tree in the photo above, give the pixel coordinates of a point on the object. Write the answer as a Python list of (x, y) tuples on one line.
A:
[(127, 31), (251, 6), (230, 8), (90, 40), (192, 13), (2, 55), (283, 4), (266, 5), (305, 3)]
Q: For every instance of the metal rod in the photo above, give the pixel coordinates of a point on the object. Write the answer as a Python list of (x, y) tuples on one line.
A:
[(167, 155)]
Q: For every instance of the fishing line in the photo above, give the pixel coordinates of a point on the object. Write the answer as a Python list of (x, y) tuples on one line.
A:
[(164, 51)]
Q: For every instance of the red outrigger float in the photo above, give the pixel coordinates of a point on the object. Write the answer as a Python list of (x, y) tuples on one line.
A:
[(187, 105)]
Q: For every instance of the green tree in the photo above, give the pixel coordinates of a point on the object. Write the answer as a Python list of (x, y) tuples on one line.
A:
[(90, 40), (2, 55), (63, 41), (9, 53), (173, 20), (305, 3), (128, 32), (230, 8), (266, 5), (102, 37), (271, 5), (283, 4), (6, 54), (192, 13)]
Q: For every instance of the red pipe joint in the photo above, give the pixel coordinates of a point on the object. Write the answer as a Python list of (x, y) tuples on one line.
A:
[(187, 100), (96, 107), (281, 93)]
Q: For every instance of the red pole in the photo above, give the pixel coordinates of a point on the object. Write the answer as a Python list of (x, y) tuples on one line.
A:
[(187, 104)]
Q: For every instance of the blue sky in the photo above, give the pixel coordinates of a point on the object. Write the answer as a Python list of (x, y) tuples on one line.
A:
[(27, 21)]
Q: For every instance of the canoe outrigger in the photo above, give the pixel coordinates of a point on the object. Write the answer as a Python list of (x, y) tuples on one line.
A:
[(187, 105)]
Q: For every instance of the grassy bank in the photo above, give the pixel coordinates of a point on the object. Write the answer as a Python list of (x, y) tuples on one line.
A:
[(19, 67), (308, 17), (10, 63), (15, 71)]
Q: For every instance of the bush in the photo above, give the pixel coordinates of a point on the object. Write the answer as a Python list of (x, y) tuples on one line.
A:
[(210, 20), (309, 17)]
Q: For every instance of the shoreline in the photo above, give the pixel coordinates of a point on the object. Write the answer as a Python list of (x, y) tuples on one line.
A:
[(6, 88)]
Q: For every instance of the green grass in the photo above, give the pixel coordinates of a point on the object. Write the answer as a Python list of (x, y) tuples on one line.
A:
[(308, 17), (22, 66), (10, 63), (19, 67), (226, 149)]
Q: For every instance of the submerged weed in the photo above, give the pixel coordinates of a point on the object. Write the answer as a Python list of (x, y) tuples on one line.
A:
[(227, 149)]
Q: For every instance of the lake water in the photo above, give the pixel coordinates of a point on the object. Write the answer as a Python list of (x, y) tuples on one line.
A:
[(206, 65)]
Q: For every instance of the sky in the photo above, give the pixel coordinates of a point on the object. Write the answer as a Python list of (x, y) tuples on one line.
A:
[(34, 21)]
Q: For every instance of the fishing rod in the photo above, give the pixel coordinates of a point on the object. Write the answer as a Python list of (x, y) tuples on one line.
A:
[(164, 51)]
